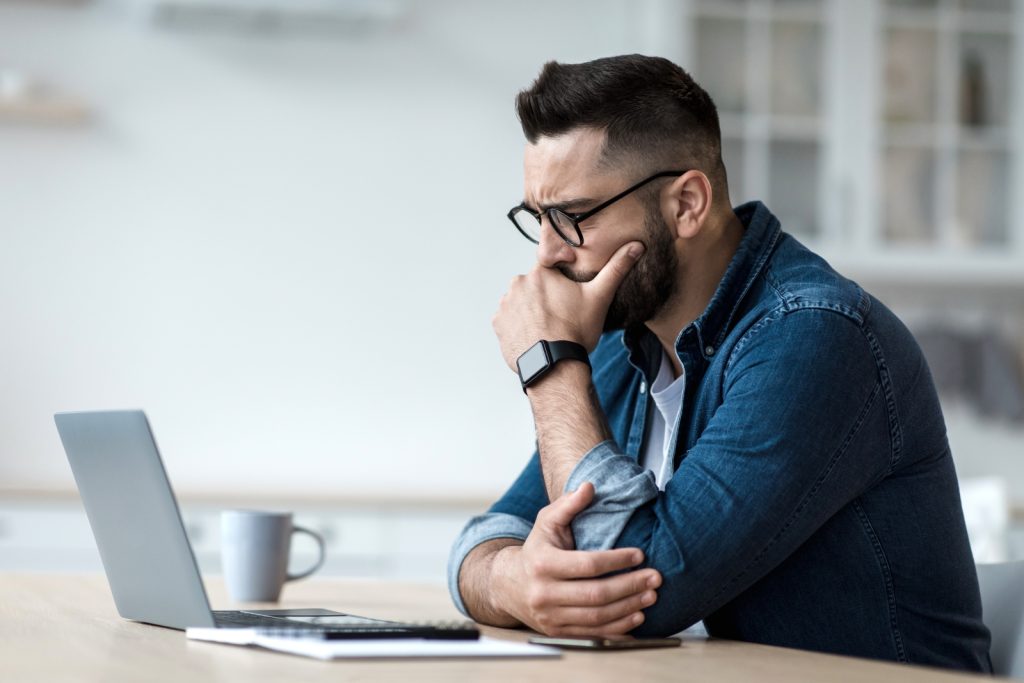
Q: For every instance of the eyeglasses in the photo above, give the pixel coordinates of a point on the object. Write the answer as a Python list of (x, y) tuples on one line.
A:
[(567, 225)]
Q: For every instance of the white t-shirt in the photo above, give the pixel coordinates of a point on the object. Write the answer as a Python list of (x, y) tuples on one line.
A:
[(668, 399)]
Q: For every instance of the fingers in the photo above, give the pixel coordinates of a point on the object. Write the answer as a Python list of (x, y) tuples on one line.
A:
[(599, 618), (602, 606), (582, 564), (560, 596), (562, 511), (596, 592), (616, 628), (611, 276)]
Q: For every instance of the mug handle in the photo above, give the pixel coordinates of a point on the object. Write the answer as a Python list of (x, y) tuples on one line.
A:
[(320, 561)]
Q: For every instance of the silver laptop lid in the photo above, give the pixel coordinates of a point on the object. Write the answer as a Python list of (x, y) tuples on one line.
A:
[(134, 517)]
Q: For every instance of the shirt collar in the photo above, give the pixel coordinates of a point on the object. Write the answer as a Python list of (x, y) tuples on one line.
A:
[(761, 233)]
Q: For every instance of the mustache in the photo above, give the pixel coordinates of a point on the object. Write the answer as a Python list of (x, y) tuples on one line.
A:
[(586, 276), (573, 275)]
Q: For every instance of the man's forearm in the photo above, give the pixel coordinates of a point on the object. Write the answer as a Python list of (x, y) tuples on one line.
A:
[(569, 422), (479, 582)]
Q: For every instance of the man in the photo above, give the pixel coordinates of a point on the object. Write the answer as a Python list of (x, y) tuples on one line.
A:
[(754, 441)]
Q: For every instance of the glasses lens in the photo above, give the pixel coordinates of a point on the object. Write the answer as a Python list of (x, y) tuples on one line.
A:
[(527, 224), (565, 228)]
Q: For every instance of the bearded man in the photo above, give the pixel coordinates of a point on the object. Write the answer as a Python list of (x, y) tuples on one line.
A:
[(728, 430)]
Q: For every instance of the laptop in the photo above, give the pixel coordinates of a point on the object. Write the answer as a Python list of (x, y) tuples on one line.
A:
[(146, 554)]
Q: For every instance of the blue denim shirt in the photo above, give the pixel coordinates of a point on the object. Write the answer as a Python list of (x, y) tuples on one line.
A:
[(814, 502)]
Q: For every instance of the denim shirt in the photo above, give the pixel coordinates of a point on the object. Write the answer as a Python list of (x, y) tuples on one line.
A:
[(814, 502)]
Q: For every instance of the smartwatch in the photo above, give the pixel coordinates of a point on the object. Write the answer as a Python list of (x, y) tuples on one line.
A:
[(537, 360)]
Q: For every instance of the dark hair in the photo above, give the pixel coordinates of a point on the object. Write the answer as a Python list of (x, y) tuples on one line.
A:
[(652, 111)]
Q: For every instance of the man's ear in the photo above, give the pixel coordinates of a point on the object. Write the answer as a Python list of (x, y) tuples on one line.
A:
[(688, 203)]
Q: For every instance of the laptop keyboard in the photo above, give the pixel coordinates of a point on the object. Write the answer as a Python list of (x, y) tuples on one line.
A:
[(236, 619)]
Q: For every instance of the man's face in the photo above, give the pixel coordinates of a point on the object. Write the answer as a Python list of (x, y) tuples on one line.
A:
[(564, 171)]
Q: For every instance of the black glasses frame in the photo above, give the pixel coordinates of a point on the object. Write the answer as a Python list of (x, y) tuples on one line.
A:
[(576, 218)]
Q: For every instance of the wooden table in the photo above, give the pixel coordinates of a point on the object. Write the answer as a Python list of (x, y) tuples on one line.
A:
[(65, 628)]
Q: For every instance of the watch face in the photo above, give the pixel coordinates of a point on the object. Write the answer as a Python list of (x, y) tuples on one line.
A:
[(532, 363)]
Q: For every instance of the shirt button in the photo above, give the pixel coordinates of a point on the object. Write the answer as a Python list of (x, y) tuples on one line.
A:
[(643, 387), (709, 350)]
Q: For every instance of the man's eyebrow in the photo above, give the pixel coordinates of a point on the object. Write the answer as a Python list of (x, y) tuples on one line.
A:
[(567, 206)]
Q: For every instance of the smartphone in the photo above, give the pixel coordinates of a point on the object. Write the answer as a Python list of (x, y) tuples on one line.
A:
[(606, 643)]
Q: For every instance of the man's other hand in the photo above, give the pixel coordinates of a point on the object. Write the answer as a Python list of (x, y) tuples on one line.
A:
[(554, 589)]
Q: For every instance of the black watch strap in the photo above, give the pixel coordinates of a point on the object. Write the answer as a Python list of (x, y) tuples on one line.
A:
[(567, 350), (538, 360)]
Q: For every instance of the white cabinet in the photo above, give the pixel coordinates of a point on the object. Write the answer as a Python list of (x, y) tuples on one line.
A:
[(886, 134), (765, 65)]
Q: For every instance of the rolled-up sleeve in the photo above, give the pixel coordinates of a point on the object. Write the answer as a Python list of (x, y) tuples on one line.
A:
[(621, 486), (481, 529), (511, 516)]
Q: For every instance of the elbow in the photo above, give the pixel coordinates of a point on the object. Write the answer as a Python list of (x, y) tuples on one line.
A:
[(672, 612), (680, 600)]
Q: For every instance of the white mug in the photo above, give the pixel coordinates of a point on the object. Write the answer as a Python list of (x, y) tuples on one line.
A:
[(255, 546)]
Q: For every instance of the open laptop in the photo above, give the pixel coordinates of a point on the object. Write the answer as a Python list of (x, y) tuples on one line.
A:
[(146, 554)]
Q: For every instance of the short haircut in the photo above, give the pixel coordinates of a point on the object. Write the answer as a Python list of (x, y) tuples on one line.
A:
[(654, 114)]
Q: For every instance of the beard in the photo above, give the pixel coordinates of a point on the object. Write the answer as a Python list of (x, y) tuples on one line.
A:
[(650, 283)]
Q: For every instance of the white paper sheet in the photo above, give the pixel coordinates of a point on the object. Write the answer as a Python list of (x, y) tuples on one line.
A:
[(373, 649)]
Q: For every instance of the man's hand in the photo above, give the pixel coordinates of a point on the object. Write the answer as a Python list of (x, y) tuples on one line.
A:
[(548, 586), (544, 304)]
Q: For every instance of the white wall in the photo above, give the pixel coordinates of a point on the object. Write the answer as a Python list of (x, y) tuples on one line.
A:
[(287, 250)]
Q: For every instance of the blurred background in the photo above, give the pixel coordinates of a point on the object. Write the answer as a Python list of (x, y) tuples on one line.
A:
[(278, 226)]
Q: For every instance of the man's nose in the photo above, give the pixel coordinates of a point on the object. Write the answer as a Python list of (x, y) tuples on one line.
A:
[(552, 249)]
